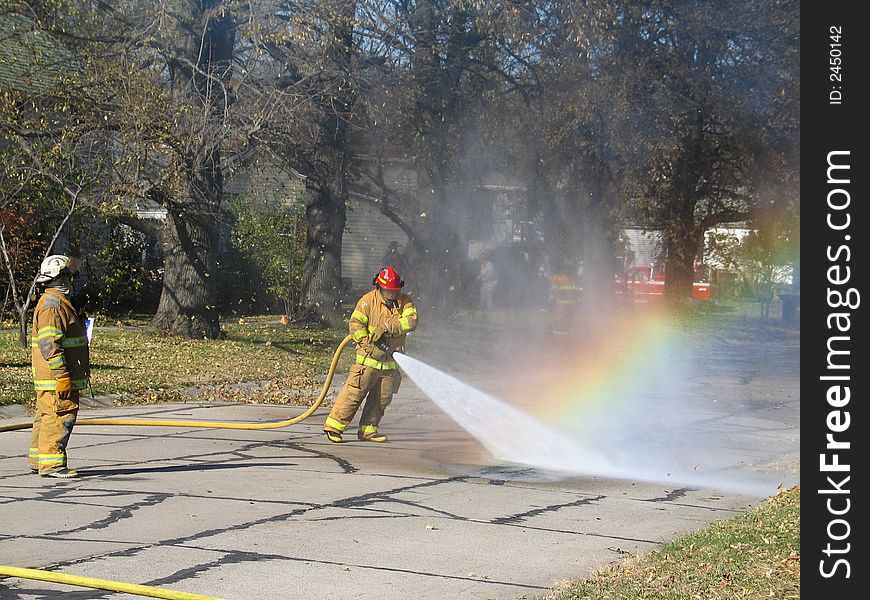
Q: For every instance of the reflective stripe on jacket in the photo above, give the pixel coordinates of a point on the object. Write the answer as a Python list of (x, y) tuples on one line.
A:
[(59, 343), (373, 310), (563, 289)]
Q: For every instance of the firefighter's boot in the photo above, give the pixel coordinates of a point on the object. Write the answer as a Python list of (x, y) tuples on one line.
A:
[(333, 437), (369, 433), (63, 473)]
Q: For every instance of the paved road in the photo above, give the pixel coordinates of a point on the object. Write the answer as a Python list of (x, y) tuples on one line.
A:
[(429, 515)]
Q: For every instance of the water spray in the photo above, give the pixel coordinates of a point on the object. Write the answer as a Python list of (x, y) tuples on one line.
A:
[(511, 435)]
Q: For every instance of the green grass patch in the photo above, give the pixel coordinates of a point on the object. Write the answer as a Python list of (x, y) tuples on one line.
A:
[(257, 362), (753, 555)]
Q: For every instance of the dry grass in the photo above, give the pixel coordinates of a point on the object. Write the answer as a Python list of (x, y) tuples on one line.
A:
[(258, 362), (751, 556)]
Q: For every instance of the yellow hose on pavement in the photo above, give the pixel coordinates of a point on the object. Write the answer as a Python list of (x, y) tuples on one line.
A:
[(100, 584), (144, 590), (211, 424)]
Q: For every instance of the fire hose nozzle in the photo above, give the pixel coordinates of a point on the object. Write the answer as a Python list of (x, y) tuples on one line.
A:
[(383, 345)]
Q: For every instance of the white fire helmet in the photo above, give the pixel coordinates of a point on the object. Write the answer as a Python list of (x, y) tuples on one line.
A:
[(54, 265)]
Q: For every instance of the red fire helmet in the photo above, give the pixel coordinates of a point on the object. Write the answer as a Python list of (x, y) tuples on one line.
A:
[(388, 278)]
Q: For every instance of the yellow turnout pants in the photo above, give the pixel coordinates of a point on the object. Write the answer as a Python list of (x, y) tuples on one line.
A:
[(376, 386), (52, 427)]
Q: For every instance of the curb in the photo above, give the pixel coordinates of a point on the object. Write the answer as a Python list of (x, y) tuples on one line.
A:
[(12, 411), (103, 401), (17, 411)]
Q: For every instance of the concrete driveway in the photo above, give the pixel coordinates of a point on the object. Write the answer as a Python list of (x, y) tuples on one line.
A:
[(286, 514)]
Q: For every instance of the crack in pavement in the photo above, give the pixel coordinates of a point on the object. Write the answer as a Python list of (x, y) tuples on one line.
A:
[(117, 515), (673, 495), (234, 556), (520, 517)]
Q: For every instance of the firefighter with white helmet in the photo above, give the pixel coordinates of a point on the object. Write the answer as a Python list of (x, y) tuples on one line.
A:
[(379, 324), (61, 367)]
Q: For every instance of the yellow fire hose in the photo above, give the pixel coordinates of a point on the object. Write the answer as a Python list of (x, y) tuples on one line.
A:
[(100, 584), (143, 590), (211, 424)]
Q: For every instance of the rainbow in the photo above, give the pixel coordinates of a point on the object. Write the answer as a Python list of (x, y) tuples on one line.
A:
[(607, 363)]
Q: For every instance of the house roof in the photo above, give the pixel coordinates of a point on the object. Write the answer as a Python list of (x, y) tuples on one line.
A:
[(32, 60)]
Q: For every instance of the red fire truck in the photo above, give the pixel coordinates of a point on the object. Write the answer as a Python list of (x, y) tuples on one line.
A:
[(647, 284)]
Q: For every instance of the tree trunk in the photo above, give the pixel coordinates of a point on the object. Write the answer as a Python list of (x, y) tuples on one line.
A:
[(680, 267), (201, 39), (325, 216), (23, 342), (438, 270), (682, 240), (325, 211), (682, 235), (187, 302), (597, 250)]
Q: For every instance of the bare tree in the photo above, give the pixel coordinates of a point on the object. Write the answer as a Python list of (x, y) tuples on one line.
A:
[(580, 99), (144, 104), (181, 106), (584, 136), (43, 177), (425, 110), (325, 154), (178, 54), (40, 191), (318, 71), (720, 98)]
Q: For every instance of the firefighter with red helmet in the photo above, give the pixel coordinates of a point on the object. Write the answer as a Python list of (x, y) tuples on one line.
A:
[(379, 324)]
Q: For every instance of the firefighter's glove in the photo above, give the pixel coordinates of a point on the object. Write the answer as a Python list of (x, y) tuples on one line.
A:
[(63, 389), (378, 333)]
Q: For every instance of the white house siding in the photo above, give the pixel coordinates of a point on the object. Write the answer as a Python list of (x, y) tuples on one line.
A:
[(366, 235), (367, 231), (642, 247), (267, 184)]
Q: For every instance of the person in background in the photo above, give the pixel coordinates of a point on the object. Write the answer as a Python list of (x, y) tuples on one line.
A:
[(564, 297), (765, 298), (393, 258), (61, 367), (488, 283), (379, 324)]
